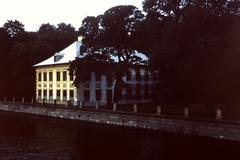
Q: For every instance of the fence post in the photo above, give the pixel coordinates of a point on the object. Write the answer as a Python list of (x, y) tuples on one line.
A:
[(81, 104), (32, 101), (55, 102), (43, 101), (135, 108), (159, 110), (14, 100), (114, 106), (22, 100), (68, 103), (186, 112), (218, 114), (97, 105)]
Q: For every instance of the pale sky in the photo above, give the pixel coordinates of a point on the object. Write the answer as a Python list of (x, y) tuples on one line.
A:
[(33, 13)]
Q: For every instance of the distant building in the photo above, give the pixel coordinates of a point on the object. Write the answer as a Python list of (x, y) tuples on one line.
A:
[(54, 83)]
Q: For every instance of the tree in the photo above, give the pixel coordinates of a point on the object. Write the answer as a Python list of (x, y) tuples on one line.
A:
[(14, 28), (59, 37), (187, 43), (65, 28), (47, 28), (107, 35)]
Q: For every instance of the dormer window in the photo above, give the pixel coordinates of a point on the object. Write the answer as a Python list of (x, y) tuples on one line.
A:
[(57, 58)]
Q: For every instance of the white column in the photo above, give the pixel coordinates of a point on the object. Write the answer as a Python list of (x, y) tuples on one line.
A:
[(36, 81), (61, 94), (142, 72), (133, 82), (133, 74), (75, 94), (54, 84), (41, 84), (93, 88), (103, 88)]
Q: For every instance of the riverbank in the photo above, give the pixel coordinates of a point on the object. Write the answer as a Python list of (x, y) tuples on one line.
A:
[(207, 128)]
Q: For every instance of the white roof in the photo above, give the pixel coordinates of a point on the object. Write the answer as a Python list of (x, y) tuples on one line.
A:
[(136, 53), (71, 52)]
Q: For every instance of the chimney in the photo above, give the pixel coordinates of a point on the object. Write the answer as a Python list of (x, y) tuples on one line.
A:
[(80, 38)]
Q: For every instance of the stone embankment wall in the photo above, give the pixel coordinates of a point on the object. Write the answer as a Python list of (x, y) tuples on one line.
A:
[(208, 128)]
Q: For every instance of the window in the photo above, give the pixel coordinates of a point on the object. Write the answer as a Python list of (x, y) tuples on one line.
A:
[(98, 85), (50, 76), (58, 76), (86, 95), (109, 80), (142, 91), (124, 93), (138, 91), (98, 95), (146, 90), (64, 95), (45, 76), (146, 77), (86, 85), (44, 94), (71, 94), (133, 88), (58, 94), (39, 94), (57, 58), (40, 76), (64, 75), (50, 94), (98, 76)]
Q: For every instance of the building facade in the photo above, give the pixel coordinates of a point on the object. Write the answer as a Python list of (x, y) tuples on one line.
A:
[(53, 82)]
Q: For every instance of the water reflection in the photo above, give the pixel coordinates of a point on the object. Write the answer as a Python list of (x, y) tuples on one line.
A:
[(31, 137)]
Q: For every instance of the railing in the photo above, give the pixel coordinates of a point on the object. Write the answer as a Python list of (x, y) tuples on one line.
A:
[(200, 111)]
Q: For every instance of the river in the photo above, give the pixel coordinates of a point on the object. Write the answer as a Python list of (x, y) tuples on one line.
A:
[(31, 137)]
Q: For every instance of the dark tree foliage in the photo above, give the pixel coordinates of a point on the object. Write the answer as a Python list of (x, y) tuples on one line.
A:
[(108, 35), (5, 46), (13, 28), (20, 50), (98, 63), (46, 28), (193, 45), (65, 28)]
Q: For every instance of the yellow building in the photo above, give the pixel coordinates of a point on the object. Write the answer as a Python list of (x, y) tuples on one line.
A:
[(52, 76)]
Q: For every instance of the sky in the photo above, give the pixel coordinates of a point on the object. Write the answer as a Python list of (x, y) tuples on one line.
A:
[(33, 13)]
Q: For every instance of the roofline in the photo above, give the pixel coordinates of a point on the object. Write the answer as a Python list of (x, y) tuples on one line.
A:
[(51, 65)]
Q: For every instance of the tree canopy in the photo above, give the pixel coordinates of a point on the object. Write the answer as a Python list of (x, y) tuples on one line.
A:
[(193, 48), (13, 28), (106, 36)]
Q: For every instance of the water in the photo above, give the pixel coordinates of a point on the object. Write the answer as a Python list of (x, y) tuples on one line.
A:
[(41, 138)]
